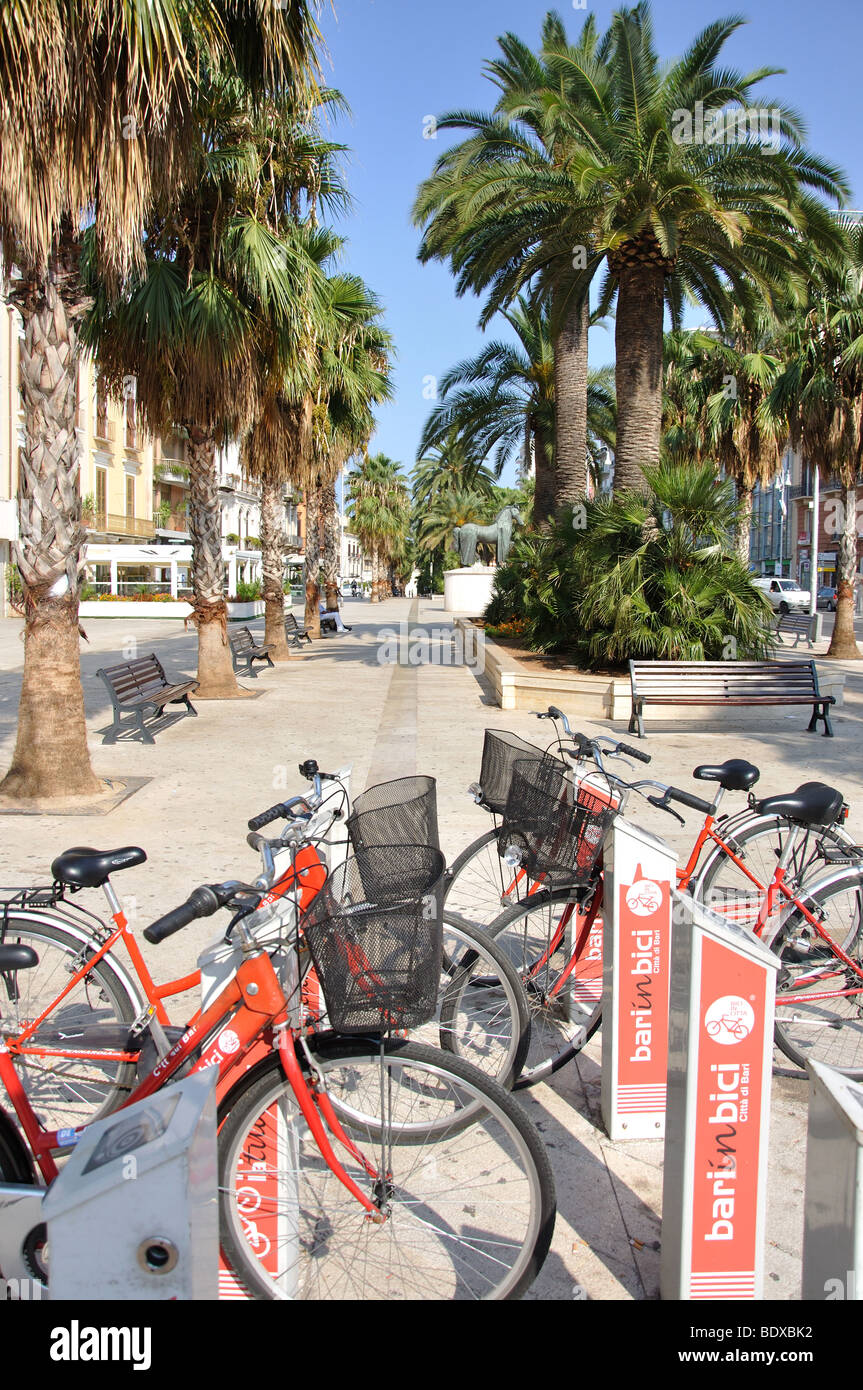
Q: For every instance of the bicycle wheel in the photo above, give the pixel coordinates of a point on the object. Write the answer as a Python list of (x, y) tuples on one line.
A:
[(64, 1092), (758, 842), (469, 1215), (483, 1012), (540, 938), (819, 999), (480, 884)]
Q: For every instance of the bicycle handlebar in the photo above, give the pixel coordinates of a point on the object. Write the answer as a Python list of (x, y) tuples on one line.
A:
[(279, 812), (203, 902)]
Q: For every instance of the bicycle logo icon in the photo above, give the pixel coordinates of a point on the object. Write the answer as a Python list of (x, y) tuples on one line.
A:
[(644, 897), (729, 1020)]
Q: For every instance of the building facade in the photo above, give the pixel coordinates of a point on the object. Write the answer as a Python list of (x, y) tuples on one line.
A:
[(134, 492)]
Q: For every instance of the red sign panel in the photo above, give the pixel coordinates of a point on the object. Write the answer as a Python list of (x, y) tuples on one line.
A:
[(644, 944), (732, 994)]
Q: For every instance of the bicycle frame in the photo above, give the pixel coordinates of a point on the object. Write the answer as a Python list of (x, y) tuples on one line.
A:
[(306, 868), (252, 1008)]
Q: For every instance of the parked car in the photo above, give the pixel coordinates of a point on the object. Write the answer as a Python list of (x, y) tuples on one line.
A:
[(784, 594), (827, 597)]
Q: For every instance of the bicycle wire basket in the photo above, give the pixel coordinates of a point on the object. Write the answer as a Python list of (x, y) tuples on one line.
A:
[(558, 826), (402, 812), (378, 954), (500, 752)]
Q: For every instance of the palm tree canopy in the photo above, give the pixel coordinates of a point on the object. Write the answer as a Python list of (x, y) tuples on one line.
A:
[(587, 148), (98, 100)]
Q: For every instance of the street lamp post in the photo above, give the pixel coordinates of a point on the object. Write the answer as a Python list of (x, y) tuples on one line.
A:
[(813, 573)]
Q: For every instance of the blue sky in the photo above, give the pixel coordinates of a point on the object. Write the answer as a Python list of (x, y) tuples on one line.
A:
[(401, 61)]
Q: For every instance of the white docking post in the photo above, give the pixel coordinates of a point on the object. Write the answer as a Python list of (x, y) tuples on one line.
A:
[(639, 871), (833, 1231), (134, 1211)]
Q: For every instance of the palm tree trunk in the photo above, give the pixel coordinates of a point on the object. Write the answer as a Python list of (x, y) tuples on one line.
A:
[(543, 492), (744, 524), (570, 397), (215, 669), (638, 371), (843, 644), (51, 757), (273, 566), (332, 548), (313, 561)]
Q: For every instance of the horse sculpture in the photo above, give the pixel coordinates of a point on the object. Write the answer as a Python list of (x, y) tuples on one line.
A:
[(499, 534)]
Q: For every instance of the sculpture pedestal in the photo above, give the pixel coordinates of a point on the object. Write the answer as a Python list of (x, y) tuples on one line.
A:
[(468, 590)]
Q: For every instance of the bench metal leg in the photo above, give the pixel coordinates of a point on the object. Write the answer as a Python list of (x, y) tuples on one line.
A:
[(636, 722), (820, 712), (145, 732), (115, 730), (190, 708)]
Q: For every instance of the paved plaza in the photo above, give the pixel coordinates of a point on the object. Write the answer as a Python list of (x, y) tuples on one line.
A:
[(339, 704)]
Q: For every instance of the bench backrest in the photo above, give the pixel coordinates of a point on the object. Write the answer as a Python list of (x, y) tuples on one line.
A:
[(130, 679), (242, 640), (732, 678), (291, 623)]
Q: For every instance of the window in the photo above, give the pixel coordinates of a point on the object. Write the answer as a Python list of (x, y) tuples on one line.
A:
[(130, 496), (101, 496)]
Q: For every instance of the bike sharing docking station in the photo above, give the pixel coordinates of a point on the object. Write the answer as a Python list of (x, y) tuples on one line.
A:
[(714, 1197), (833, 1229), (134, 1213), (639, 870)]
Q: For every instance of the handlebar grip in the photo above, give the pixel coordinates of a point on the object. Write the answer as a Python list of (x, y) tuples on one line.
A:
[(636, 753), (266, 817), (202, 903), (554, 712), (687, 799)]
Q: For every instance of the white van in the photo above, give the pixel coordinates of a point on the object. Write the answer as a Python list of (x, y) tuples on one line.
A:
[(784, 594)]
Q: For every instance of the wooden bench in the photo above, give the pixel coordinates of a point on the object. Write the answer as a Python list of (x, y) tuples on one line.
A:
[(141, 685), (295, 634), (727, 683), (806, 625), (244, 648)]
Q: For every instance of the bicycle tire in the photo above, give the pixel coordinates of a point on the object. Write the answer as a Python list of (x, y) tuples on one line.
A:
[(480, 885), (483, 1014), (726, 890), (562, 1017), (64, 1092), (471, 1214), (809, 1027)]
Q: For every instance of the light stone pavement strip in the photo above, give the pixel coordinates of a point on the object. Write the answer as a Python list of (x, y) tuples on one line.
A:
[(337, 703)]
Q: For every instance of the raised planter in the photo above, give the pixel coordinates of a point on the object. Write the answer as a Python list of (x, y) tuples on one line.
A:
[(584, 696), (242, 612), (120, 609)]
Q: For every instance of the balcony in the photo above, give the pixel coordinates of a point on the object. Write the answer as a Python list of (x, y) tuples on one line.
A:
[(111, 524), (174, 471), (176, 522), (232, 482), (293, 540)]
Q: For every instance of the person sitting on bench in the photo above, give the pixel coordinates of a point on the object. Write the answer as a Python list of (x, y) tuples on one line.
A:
[(334, 620)]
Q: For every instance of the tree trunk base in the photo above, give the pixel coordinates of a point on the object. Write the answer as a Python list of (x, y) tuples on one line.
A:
[(274, 629), (51, 759), (217, 680)]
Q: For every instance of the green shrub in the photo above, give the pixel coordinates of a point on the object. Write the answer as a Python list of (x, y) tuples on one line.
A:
[(247, 593), (650, 575)]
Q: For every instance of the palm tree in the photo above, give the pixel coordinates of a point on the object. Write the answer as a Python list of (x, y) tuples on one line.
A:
[(95, 120), (352, 375), (298, 179), (504, 398), (197, 326), (603, 156), (744, 437), (379, 510), (819, 397)]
